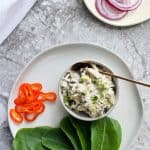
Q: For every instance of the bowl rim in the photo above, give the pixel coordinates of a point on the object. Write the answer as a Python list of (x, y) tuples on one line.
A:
[(77, 114)]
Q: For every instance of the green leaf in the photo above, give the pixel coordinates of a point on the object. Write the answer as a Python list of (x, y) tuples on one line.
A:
[(55, 145), (70, 132), (83, 131), (57, 140), (30, 138), (36, 139), (105, 134)]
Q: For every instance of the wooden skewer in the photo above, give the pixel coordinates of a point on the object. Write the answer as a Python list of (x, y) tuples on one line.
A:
[(126, 79)]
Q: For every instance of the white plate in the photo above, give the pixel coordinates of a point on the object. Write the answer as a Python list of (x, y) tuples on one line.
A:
[(141, 14), (48, 67)]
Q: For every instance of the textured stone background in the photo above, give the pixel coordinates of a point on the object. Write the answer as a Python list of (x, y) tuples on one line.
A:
[(53, 22)]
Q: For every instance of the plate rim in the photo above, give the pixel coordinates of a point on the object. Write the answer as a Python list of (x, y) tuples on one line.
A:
[(74, 44), (113, 24)]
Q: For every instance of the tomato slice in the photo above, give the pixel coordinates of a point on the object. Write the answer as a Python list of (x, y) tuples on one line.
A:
[(26, 92), (32, 116), (19, 101), (36, 86), (41, 109), (15, 116), (29, 117), (22, 109), (29, 107), (50, 96), (29, 103)]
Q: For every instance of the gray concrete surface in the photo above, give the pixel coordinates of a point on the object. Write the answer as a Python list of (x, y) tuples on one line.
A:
[(52, 22)]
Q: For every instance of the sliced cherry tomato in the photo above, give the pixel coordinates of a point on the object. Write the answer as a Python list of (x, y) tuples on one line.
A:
[(19, 101), (29, 107), (50, 96), (30, 102), (41, 109), (26, 92), (15, 116), (22, 109), (33, 107), (19, 109), (36, 94), (36, 87), (30, 116), (37, 106)]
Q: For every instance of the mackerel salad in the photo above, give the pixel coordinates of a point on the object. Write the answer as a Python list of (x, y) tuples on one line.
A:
[(88, 91)]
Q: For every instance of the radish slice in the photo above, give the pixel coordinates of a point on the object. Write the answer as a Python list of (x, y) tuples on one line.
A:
[(108, 11), (125, 5)]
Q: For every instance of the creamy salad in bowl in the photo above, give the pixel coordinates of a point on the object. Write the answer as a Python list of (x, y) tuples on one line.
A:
[(84, 89)]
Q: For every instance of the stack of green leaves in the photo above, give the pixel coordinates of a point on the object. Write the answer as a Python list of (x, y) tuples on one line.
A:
[(73, 134)]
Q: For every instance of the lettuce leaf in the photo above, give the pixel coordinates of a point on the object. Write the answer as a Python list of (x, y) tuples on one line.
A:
[(56, 140), (105, 134), (70, 132), (73, 134), (83, 132), (41, 138)]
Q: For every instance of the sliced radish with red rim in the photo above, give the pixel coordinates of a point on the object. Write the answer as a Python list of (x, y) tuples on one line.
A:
[(108, 11), (125, 5)]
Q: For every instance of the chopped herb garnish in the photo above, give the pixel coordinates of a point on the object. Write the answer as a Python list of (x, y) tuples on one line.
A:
[(95, 81), (94, 98), (83, 93), (80, 80), (66, 98), (103, 87)]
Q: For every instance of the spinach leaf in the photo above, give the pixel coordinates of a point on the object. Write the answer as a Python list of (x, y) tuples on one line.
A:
[(30, 138), (70, 132), (105, 134), (56, 140), (41, 138), (83, 131)]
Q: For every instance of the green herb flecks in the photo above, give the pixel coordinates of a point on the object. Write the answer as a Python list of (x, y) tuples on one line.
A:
[(81, 80), (94, 98), (66, 99)]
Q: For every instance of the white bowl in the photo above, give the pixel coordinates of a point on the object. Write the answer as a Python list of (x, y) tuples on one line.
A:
[(80, 115)]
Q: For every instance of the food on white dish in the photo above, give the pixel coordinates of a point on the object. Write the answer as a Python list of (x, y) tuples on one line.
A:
[(116, 9), (125, 5), (73, 134), (108, 11), (88, 91), (29, 103)]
